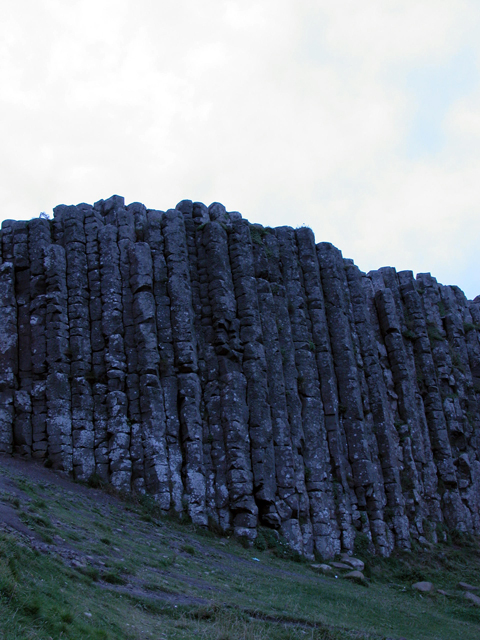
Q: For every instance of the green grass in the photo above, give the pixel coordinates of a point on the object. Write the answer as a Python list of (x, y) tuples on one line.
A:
[(164, 579), (434, 333), (188, 548), (40, 598)]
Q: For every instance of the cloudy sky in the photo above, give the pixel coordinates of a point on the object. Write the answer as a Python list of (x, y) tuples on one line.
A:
[(358, 119)]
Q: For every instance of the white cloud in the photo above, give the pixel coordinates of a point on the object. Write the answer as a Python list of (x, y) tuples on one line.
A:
[(289, 111), (377, 32)]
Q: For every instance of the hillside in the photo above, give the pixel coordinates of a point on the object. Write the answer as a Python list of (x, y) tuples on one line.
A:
[(81, 563)]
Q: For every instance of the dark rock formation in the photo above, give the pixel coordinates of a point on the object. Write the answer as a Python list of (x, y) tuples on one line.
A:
[(241, 375)]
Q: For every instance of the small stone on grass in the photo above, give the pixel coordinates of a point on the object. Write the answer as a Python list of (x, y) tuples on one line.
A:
[(423, 587), (356, 563), (471, 597), (341, 565), (323, 568), (356, 576)]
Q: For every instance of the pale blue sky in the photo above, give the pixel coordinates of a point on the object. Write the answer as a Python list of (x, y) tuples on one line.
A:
[(361, 120), (435, 89)]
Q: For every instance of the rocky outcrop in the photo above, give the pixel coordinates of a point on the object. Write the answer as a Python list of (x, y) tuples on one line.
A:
[(241, 375)]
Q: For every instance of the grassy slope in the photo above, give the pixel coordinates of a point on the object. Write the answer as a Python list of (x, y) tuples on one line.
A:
[(100, 567)]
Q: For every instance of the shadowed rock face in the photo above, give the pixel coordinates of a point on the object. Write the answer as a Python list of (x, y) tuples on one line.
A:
[(244, 375)]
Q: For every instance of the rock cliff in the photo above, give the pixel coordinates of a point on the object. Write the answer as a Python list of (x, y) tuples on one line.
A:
[(243, 375)]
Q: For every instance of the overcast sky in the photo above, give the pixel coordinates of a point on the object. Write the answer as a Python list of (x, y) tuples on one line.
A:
[(358, 119)]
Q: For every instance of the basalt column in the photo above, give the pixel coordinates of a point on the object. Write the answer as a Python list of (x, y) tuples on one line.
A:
[(415, 462), (315, 451), (449, 327), (22, 433), (166, 362), (385, 442), (39, 238), (320, 345), (197, 275), (255, 368), (80, 350), (293, 501), (8, 355), (345, 350), (97, 376), (58, 390), (214, 443), (186, 365), (452, 508), (232, 380), (118, 426)]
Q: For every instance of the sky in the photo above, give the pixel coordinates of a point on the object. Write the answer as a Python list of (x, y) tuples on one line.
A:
[(360, 120)]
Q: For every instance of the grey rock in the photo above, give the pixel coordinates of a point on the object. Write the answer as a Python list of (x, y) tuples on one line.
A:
[(356, 563), (355, 576), (423, 587), (341, 565), (323, 568), (471, 597), (467, 587)]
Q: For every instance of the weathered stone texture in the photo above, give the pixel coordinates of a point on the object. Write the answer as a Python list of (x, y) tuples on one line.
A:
[(241, 375), (8, 355)]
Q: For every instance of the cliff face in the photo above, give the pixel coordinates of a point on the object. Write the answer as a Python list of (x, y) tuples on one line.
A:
[(247, 376)]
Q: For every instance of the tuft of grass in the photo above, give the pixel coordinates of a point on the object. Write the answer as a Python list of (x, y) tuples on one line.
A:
[(457, 361), (46, 537), (95, 482), (271, 540), (441, 308), (113, 577), (150, 511), (434, 333), (38, 599), (31, 608), (73, 535), (15, 502), (256, 233), (165, 562), (39, 503), (90, 572), (26, 486), (362, 544), (188, 548), (67, 617)]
